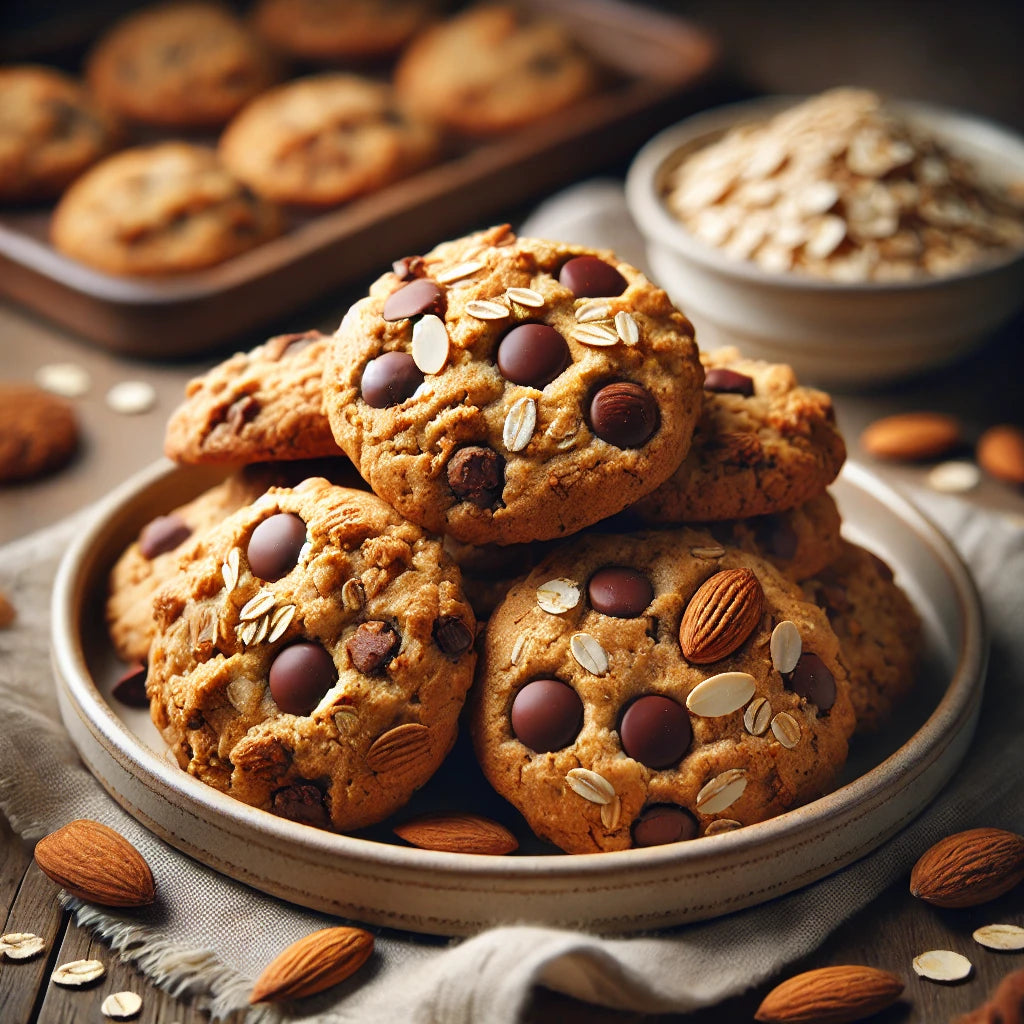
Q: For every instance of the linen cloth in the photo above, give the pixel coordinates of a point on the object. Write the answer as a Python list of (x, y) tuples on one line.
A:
[(211, 937)]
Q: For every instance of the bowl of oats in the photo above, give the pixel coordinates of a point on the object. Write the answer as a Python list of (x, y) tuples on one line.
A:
[(860, 240)]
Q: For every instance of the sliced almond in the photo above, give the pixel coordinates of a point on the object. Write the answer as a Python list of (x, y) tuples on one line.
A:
[(942, 965), (595, 335), (458, 272), (487, 309), (786, 729), (1000, 936), (758, 716), (610, 814), (785, 646), (256, 606), (722, 791), (229, 570), (721, 694), (525, 297), (314, 963), (520, 424), (593, 309), (430, 344), (279, 621), (558, 595), (590, 785), (589, 653), (455, 832), (627, 328)]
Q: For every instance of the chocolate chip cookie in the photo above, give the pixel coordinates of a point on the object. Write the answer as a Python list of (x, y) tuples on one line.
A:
[(38, 432), (493, 69), (503, 389), (312, 655), (163, 209), (51, 130), (322, 140), (764, 444), (257, 406), (181, 65), (879, 631), (650, 688)]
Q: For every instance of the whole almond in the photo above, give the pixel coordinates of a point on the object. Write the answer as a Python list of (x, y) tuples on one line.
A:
[(457, 833), (721, 615), (312, 964), (1001, 453), (911, 436), (830, 995), (96, 864), (404, 749), (969, 868)]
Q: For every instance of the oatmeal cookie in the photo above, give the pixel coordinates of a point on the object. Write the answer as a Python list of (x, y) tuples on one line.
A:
[(51, 130), (325, 139), (180, 65), (312, 655), (491, 69), (764, 444), (503, 389), (38, 432), (649, 688), (163, 209)]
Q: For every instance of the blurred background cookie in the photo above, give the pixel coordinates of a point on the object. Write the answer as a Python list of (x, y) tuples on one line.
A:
[(51, 130), (187, 65), (324, 139), (38, 432), (160, 209)]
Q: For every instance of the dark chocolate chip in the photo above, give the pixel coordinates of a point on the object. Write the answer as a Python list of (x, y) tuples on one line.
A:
[(476, 474), (419, 296), (663, 823), (303, 803), (532, 354), (130, 688), (624, 414), (390, 379), (776, 536), (275, 544), (655, 731), (240, 412), (299, 676), (372, 646), (812, 680), (588, 277), (620, 591), (546, 715), (728, 382), (163, 534), (452, 635)]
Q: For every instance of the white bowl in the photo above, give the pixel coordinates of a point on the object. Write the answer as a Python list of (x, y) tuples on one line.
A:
[(832, 333)]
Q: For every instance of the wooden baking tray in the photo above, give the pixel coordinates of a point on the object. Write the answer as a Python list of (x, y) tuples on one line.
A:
[(657, 60)]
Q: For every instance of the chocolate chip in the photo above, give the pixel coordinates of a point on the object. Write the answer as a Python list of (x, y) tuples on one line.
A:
[(532, 354), (776, 536), (655, 731), (812, 679), (414, 298), (299, 676), (390, 379), (452, 635), (130, 688), (546, 715), (588, 277), (620, 591), (372, 646), (303, 803), (408, 267), (275, 544), (240, 412), (623, 414), (476, 474), (163, 534), (663, 823), (728, 382)]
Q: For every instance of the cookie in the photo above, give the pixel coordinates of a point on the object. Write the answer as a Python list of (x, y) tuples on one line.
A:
[(764, 444), (325, 139), (163, 209), (312, 656), (493, 69), (258, 406), (649, 688), (38, 432), (340, 30), (488, 571), (879, 630), (51, 130), (180, 65), (504, 389)]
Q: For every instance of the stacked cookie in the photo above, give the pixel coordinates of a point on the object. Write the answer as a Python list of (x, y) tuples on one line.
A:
[(678, 641)]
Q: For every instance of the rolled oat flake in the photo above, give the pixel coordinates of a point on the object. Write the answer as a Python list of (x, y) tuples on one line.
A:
[(121, 1005), (942, 965), (78, 972), (21, 945)]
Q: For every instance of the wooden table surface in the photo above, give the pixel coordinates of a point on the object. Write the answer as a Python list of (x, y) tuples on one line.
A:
[(968, 58)]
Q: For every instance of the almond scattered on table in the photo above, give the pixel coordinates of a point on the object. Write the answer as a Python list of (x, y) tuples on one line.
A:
[(312, 964), (830, 995), (911, 436), (969, 868), (457, 833)]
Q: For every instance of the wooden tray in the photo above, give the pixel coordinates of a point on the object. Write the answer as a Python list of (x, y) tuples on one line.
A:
[(658, 60)]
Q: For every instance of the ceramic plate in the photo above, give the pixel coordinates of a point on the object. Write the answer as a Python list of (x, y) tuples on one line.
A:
[(372, 878)]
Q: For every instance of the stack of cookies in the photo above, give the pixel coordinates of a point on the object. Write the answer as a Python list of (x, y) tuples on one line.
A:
[(675, 638)]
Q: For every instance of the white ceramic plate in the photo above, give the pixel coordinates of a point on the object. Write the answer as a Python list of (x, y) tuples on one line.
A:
[(371, 878)]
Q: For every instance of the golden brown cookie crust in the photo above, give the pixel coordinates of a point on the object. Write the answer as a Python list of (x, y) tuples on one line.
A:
[(164, 209), (180, 64), (556, 477), (51, 130), (384, 726), (525, 642), (751, 455)]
